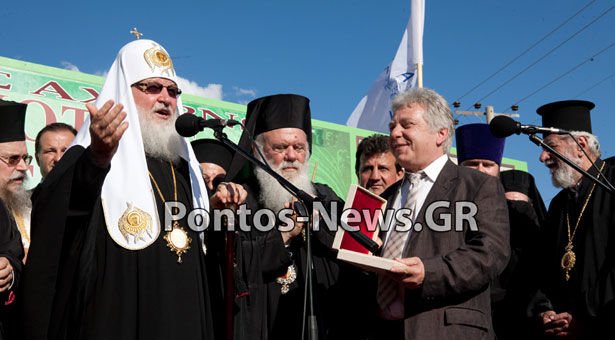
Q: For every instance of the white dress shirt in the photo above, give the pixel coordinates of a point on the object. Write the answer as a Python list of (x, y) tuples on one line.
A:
[(424, 186), (395, 310)]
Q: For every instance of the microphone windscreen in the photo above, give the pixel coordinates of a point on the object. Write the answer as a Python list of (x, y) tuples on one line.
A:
[(187, 125), (503, 126)]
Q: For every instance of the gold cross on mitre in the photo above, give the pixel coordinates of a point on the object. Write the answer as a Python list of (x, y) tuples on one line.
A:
[(136, 33)]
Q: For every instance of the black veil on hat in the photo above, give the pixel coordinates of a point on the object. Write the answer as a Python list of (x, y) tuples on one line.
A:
[(270, 113), (523, 182), (13, 118), (571, 115)]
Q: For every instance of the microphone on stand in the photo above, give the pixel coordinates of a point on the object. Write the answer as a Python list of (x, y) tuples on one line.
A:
[(188, 125), (503, 126)]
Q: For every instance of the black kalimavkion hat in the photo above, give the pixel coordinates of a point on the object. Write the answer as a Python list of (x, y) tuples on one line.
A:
[(212, 151), (13, 117), (270, 113), (279, 111), (571, 115)]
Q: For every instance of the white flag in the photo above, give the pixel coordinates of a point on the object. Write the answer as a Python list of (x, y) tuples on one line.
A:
[(374, 111)]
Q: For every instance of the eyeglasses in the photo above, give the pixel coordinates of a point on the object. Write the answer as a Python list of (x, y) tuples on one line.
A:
[(15, 159), (156, 88)]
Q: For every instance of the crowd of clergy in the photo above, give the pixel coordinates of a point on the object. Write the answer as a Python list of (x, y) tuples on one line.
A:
[(90, 253)]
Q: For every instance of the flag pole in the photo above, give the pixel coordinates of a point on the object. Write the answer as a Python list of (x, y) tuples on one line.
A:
[(419, 75), (405, 71)]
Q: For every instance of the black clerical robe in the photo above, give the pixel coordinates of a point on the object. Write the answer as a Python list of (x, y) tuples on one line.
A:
[(80, 284), (513, 291), (589, 294), (12, 249), (264, 312)]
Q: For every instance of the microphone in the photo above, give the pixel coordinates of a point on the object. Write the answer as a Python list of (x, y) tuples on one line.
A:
[(503, 126), (365, 241), (188, 125)]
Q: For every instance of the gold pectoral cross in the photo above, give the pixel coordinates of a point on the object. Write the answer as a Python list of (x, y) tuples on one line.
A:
[(568, 260)]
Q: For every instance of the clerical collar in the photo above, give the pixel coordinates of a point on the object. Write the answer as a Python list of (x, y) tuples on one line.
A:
[(573, 191), (578, 188)]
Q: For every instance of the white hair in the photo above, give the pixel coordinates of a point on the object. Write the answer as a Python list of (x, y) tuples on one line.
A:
[(564, 176), (593, 145), (17, 201), (438, 114)]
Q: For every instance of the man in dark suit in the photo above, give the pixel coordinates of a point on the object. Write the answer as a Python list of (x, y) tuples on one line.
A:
[(450, 237)]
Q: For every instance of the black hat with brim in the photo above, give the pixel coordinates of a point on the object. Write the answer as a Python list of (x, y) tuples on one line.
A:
[(571, 115), (212, 151)]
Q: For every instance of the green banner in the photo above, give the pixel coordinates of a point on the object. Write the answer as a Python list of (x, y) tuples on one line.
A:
[(58, 95)]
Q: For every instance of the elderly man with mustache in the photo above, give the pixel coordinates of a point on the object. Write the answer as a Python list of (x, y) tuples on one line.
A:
[(578, 241)]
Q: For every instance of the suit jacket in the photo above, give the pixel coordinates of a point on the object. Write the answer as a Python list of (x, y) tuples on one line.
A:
[(453, 301)]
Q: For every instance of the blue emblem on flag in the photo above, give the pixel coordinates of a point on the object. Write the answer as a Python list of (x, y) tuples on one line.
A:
[(407, 76)]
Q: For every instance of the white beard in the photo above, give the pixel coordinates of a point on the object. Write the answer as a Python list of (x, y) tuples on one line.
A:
[(564, 176), (272, 194), (160, 140), (17, 201)]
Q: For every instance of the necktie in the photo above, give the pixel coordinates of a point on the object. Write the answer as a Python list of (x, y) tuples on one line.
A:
[(388, 289)]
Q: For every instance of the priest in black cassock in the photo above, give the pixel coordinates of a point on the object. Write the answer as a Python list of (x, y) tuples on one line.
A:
[(11, 254), (105, 262), (215, 159), (514, 289), (517, 287), (478, 149), (578, 238), (272, 264), (14, 165), (14, 212)]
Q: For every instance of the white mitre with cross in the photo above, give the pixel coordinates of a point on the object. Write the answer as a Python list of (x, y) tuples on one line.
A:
[(127, 195)]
